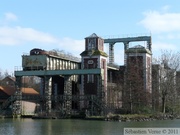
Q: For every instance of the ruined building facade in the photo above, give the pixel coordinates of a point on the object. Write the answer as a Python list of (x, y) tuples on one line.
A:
[(92, 84)]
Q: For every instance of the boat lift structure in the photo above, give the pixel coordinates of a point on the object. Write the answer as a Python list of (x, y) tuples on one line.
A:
[(58, 74)]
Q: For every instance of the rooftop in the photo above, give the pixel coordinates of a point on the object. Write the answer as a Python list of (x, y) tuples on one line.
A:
[(138, 49), (94, 35), (11, 90)]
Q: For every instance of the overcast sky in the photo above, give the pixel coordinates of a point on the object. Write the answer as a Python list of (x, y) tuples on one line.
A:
[(63, 25)]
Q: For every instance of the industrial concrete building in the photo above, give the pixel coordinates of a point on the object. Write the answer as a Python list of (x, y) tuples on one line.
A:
[(138, 77), (91, 84)]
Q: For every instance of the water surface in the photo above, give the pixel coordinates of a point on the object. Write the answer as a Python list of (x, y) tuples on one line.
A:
[(74, 127)]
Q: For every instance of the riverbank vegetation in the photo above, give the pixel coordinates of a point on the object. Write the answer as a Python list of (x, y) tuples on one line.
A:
[(133, 117), (138, 117)]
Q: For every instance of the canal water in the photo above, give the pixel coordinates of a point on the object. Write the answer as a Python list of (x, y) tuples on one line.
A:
[(75, 127)]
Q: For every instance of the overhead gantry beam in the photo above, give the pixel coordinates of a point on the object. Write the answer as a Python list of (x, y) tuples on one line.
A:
[(126, 42), (128, 39), (58, 72)]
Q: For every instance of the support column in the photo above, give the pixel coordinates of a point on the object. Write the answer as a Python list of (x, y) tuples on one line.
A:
[(111, 53), (100, 92), (55, 92), (42, 85), (48, 93), (68, 93), (16, 109), (126, 46), (82, 103), (101, 95), (149, 45)]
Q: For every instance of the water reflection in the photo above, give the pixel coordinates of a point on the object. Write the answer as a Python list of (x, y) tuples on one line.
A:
[(73, 127)]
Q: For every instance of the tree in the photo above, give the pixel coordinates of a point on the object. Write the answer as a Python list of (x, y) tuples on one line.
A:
[(165, 84), (6, 73)]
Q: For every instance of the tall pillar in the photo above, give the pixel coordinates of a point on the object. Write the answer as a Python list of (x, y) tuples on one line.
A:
[(149, 45), (42, 85), (55, 92), (100, 85), (48, 93), (16, 109), (82, 105), (101, 95), (68, 93), (126, 46), (111, 53)]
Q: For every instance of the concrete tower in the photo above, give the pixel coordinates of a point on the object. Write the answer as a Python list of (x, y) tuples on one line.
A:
[(138, 74), (142, 56), (94, 57)]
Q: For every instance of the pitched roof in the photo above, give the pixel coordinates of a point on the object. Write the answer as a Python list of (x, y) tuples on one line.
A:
[(8, 90), (138, 46), (9, 78), (94, 35), (138, 49), (11, 90), (29, 91), (13, 79)]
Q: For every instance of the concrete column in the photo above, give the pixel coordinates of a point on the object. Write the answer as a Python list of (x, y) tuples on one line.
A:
[(126, 47), (55, 92), (42, 86), (149, 45), (100, 91), (102, 94), (111, 53), (16, 109), (68, 93), (82, 91), (48, 93)]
